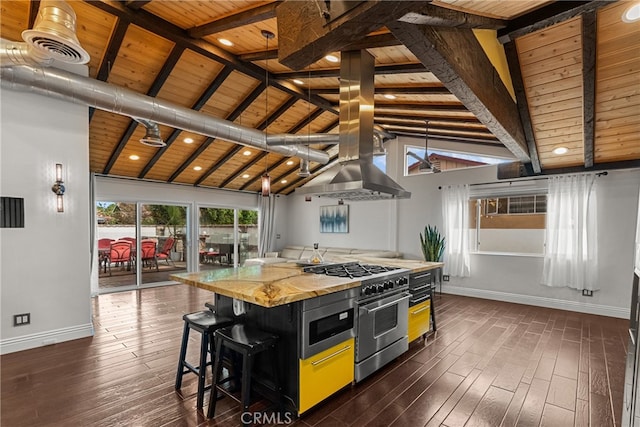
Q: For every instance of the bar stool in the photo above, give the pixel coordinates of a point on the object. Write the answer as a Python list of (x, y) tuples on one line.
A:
[(247, 342), (206, 322)]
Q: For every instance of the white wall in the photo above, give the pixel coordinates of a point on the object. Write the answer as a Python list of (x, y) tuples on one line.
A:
[(396, 225), (45, 266)]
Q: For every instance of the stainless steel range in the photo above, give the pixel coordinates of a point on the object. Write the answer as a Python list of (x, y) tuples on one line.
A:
[(382, 312)]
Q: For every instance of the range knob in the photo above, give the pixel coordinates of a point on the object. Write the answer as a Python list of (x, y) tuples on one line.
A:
[(380, 288), (404, 280), (388, 285), (367, 290)]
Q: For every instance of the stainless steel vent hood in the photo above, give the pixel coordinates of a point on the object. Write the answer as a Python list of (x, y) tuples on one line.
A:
[(355, 177)]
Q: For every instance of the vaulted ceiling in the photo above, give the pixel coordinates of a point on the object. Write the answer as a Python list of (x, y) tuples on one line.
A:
[(531, 76)]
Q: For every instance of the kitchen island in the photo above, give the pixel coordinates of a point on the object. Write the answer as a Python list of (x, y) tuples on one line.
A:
[(315, 354)]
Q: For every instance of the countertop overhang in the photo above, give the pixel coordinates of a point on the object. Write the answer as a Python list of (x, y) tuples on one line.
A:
[(278, 284)]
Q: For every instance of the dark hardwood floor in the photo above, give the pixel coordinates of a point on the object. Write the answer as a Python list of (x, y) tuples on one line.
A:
[(489, 364)]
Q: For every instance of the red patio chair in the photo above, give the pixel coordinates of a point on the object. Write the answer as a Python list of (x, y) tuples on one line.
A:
[(148, 248), (120, 253), (104, 246), (165, 252)]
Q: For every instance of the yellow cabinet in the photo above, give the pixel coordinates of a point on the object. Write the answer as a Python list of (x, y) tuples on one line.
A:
[(325, 373), (419, 319)]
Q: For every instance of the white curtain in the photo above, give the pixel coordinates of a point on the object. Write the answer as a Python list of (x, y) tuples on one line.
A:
[(571, 235), (455, 212), (267, 229), (95, 268)]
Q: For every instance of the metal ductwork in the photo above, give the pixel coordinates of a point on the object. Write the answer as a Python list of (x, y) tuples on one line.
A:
[(81, 90), (53, 37), (152, 136), (356, 177)]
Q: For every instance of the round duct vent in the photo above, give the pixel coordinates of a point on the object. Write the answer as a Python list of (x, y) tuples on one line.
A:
[(153, 141), (54, 33), (61, 51)]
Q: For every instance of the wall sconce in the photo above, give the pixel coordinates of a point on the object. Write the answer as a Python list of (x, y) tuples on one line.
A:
[(341, 202), (266, 185), (58, 188)]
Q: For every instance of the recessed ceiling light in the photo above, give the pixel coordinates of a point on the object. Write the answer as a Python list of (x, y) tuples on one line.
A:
[(226, 42), (298, 81), (290, 162), (560, 150), (134, 157), (331, 58), (389, 96), (245, 176), (632, 14), (197, 168), (188, 140), (284, 181), (246, 152)]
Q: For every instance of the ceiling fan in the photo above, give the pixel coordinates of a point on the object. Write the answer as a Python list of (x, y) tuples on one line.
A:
[(425, 163)]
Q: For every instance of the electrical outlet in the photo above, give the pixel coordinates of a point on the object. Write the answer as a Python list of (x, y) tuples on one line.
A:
[(445, 278), (21, 319), (277, 236), (587, 293)]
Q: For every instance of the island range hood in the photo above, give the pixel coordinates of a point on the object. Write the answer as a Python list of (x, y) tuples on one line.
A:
[(355, 177)]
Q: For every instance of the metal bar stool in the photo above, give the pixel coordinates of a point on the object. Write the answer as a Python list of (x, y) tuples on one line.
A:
[(206, 322), (247, 342)]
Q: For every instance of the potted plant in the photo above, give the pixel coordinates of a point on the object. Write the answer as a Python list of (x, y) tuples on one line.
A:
[(432, 244)]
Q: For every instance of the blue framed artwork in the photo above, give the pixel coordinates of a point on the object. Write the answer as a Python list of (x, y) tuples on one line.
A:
[(334, 219)]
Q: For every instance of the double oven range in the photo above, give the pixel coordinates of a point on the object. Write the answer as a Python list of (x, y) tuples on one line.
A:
[(376, 313)]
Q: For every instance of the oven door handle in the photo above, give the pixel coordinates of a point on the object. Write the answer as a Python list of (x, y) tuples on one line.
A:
[(324, 359), (403, 296), (419, 288), (419, 300)]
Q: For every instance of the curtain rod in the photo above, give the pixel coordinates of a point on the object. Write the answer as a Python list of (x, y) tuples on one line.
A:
[(511, 181)]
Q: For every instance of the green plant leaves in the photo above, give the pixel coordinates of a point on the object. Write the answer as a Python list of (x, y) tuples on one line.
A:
[(432, 244)]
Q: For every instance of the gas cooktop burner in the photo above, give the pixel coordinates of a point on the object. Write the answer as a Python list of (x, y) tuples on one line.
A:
[(350, 270)]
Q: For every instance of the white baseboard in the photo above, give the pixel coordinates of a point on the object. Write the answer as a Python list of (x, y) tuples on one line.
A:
[(25, 342), (581, 307)]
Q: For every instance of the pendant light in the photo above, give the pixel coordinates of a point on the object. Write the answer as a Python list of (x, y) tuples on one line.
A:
[(266, 179)]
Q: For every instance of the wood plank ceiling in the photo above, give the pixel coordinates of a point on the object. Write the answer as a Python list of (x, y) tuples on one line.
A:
[(575, 68)]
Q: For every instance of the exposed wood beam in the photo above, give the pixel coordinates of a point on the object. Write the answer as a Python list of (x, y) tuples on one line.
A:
[(472, 136), (174, 33), (205, 144), (243, 168), (394, 90), (437, 16), (115, 41), (34, 7), (137, 4), (228, 156), (369, 42), (423, 117), (272, 117), (204, 97), (306, 35), (307, 120), (421, 135), (279, 112), (467, 122), (513, 61), (284, 159), (160, 79), (335, 72), (589, 31), (259, 55), (420, 107), (546, 16), (470, 77), (246, 17), (448, 126)]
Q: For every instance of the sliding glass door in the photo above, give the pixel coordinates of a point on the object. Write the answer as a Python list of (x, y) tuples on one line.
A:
[(139, 244), (226, 237)]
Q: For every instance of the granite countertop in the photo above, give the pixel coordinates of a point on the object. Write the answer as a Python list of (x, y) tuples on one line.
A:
[(277, 284)]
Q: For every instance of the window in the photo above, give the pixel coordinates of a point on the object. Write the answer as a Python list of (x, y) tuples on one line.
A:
[(508, 224)]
